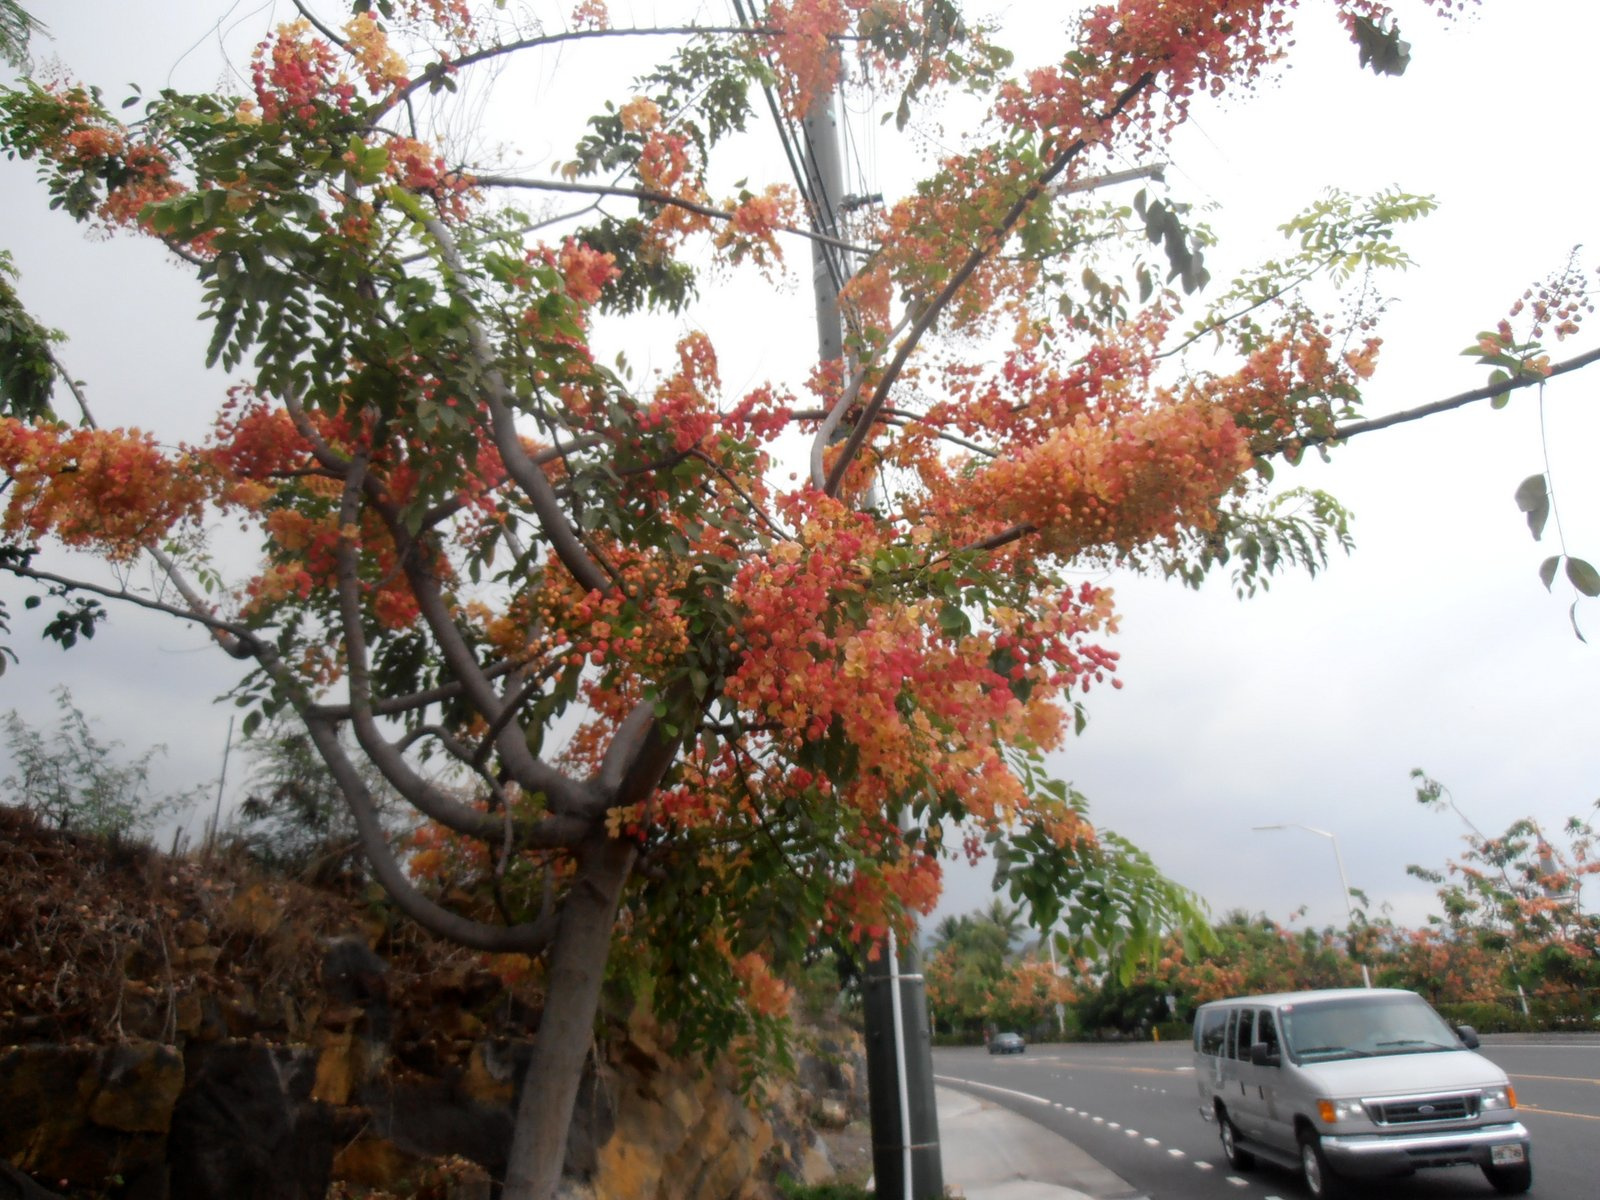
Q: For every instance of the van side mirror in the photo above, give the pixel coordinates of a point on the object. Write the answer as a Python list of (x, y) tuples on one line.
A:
[(1468, 1036), (1261, 1055)]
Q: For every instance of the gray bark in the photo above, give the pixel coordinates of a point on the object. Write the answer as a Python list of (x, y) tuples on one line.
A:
[(577, 967)]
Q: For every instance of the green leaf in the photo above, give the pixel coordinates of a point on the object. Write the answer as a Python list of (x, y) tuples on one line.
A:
[(1382, 49), (1499, 399), (1547, 570), (1583, 576), (1533, 498), (953, 622)]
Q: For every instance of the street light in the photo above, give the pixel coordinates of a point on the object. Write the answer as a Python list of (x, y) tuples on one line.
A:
[(1344, 883)]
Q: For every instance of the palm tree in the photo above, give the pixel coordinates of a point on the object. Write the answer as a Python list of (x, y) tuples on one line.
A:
[(1006, 918)]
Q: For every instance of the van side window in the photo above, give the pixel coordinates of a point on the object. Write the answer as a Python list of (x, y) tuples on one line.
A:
[(1267, 1031), (1213, 1030), (1240, 1042)]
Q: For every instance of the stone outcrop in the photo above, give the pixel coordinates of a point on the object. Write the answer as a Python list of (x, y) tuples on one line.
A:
[(173, 1029), (249, 1119)]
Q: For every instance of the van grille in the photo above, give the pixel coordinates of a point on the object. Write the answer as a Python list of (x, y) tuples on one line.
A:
[(1413, 1110)]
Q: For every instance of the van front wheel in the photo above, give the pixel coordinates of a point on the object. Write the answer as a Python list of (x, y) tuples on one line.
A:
[(1321, 1182), (1510, 1181), (1239, 1160)]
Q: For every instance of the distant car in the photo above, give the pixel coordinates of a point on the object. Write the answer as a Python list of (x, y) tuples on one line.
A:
[(1007, 1043)]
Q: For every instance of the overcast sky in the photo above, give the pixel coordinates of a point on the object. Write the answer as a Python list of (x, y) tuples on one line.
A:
[(1434, 645)]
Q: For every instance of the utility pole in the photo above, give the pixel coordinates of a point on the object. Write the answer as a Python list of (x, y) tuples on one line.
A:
[(906, 1163)]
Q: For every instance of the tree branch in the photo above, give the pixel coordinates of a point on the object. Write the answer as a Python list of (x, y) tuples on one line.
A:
[(1461, 400), (654, 197), (989, 245), (564, 540), (240, 637), (851, 392), (531, 938)]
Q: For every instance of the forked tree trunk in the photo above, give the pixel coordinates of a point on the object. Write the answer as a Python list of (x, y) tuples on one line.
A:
[(566, 1030)]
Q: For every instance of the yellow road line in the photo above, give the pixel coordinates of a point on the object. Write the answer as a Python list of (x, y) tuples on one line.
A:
[(1554, 1078), (1556, 1112), (1083, 1066)]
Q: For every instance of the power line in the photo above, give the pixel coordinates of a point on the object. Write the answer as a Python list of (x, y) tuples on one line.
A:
[(820, 209)]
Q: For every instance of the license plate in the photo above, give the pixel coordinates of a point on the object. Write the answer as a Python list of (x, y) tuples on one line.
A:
[(1504, 1156)]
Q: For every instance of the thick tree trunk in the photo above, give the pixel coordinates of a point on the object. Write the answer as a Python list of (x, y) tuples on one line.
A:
[(566, 1030)]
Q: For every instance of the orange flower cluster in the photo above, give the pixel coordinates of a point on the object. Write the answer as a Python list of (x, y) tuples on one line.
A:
[(259, 462), (1557, 305), (114, 491), (380, 65), (1168, 51), (752, 230), (585, 270), (85, 142), (295, 74), (764, 993), (805, 50), (591, 14), (923, 707)]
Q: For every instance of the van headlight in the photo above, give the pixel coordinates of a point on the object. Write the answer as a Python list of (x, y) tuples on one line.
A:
[(1334, 1111), (1498, 1097)]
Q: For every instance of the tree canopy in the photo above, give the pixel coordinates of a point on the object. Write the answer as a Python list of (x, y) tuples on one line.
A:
[(703, 670)]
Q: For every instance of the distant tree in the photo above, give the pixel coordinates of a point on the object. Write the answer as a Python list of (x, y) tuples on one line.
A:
[(978, 977), (1027, 995), (1439, 963), (1520, 896), (75, 781), (293, 818), (1128, 1006), (1249, 953)]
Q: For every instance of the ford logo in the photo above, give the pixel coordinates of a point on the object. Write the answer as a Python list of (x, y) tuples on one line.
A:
[(1425, 1108)]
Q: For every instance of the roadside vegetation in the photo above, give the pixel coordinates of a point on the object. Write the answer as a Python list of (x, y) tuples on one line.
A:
[(1514, 945)]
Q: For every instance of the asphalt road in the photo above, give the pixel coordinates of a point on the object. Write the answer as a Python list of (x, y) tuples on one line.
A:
[(1134, 1108)]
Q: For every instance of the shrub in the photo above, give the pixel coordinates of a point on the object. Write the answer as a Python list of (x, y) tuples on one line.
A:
[(74, 781)]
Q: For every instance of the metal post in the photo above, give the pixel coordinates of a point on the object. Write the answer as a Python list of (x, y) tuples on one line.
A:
[(904, 1115), (1055, 973), (1349, 909), (825, 176), (216, 815), (906, 1160)]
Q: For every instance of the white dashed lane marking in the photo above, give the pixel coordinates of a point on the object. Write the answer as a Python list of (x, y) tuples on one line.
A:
[(1153, 1142)]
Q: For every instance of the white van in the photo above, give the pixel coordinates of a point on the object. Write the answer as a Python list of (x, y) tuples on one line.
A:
[(1351, 1083)]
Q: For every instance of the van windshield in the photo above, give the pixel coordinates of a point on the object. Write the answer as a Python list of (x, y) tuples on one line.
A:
[(1364, 1027)]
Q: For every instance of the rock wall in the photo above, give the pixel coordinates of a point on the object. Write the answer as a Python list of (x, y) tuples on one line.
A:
[(197, 1030), (245, 1118)]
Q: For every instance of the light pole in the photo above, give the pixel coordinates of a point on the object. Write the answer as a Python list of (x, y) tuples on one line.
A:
[(1344, 883)]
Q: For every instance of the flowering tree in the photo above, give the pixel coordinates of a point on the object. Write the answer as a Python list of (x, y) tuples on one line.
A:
[(1518, 900), (684, 698)]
